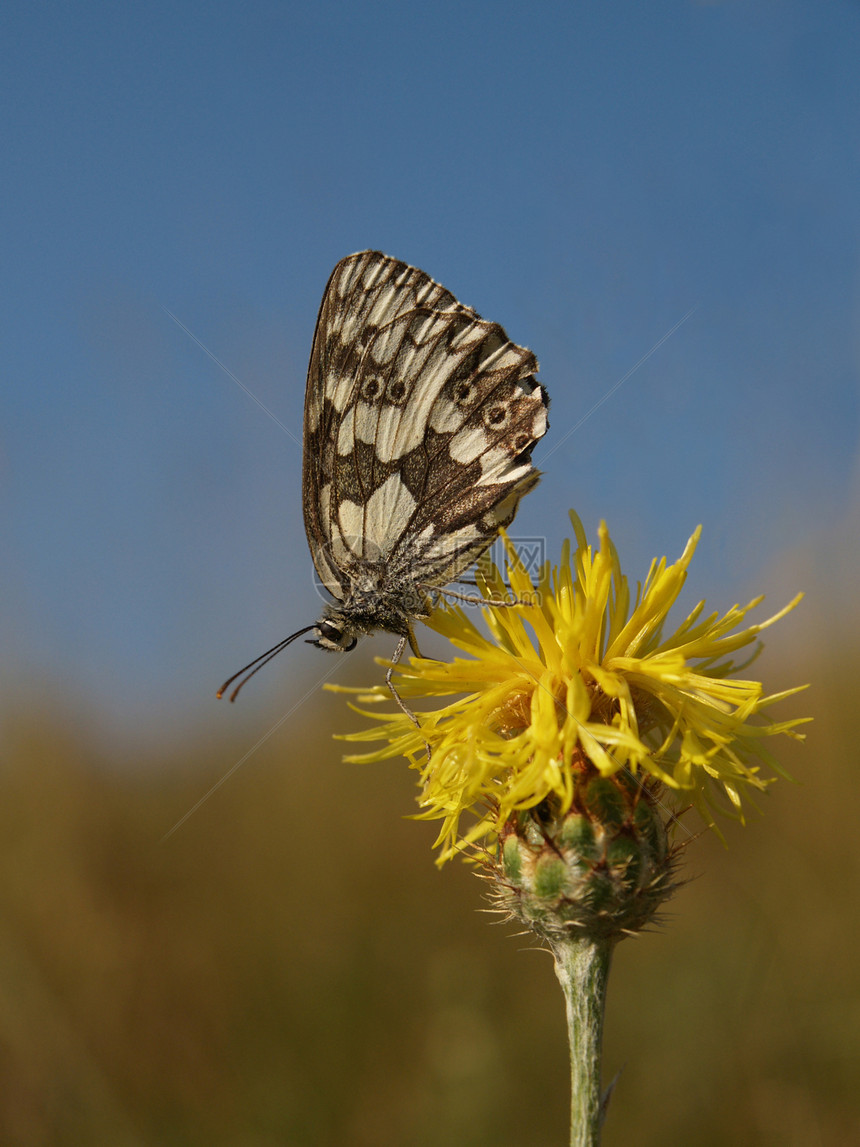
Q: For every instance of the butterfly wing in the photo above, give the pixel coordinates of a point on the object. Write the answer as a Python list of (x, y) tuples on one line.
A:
[(420, 418)]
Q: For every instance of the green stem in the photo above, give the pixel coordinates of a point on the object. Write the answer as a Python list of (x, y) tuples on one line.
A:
[(582, 967)]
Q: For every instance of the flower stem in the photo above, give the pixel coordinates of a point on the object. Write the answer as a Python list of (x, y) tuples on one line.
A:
[(582, 968)]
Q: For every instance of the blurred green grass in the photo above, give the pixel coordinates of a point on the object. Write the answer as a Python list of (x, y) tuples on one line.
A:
[(290, 968)]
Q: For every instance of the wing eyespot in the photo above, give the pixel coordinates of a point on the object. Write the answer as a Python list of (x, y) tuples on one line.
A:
[(464, 393), (497, 417), (397, 391)]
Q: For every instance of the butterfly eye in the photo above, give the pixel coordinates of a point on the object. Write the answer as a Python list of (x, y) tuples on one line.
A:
[(333, 637)]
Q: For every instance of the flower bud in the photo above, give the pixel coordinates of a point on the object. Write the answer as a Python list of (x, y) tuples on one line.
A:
[(598, 870)]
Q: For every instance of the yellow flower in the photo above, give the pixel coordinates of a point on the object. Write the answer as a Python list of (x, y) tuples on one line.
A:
[(574, 674)]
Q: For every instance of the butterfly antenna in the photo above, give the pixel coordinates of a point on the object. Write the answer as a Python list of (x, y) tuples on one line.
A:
[(258, 664)]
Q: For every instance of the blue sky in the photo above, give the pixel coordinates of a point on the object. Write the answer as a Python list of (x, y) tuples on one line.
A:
[(584, 173)]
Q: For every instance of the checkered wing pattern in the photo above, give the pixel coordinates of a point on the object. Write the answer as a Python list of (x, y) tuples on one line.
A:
[(420, 420)]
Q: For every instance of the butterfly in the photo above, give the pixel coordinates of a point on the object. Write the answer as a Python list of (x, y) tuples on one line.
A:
[(420, 420)]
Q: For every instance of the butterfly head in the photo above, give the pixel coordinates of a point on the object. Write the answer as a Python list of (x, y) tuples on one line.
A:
[(334, 634)]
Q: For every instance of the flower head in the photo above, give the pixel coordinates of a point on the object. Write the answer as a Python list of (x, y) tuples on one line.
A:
[(579, 678)]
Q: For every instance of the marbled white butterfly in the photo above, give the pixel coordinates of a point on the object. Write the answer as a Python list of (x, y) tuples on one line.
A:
[(420, 421)]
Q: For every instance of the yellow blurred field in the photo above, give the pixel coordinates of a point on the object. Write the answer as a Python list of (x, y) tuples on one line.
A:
[(290, 968)]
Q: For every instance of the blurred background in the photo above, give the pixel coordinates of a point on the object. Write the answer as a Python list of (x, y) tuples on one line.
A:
[(661, 201)]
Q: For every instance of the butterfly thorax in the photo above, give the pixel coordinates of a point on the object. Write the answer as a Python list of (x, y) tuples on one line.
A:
[(376, 601)]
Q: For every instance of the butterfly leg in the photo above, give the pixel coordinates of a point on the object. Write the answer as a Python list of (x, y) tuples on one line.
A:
[(401, 704)]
